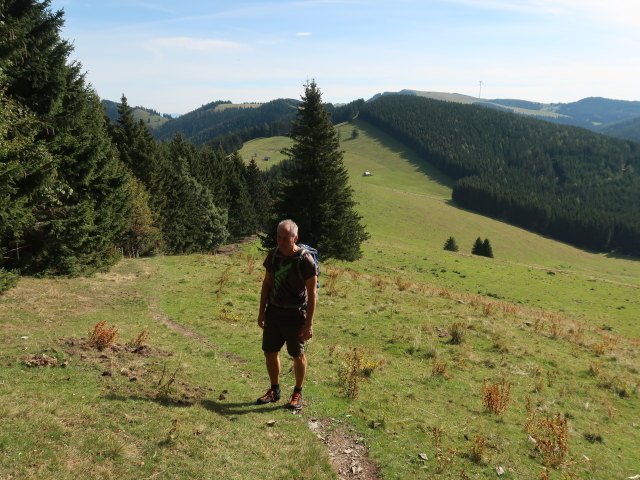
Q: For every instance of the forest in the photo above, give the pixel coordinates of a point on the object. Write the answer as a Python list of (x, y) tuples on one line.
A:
[(77, 191), (565, 182)]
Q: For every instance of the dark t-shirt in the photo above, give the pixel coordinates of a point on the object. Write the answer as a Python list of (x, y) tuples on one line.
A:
[(290, 275)]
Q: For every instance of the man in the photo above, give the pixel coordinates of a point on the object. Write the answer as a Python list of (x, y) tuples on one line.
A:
[(287, 306)]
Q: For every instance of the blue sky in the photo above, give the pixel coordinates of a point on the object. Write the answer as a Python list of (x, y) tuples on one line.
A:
[(177, 55)]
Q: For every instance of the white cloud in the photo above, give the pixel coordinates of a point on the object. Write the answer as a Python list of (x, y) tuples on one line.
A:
[(303, 34)]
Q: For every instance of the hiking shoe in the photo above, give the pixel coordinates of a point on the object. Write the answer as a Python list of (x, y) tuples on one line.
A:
[(295, 401), (271, 396)]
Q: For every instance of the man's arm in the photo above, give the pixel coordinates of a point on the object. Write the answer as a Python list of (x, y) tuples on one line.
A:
[(267, 286), (307, 328)]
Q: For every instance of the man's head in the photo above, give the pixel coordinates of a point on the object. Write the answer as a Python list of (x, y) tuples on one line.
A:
[(287, 235)]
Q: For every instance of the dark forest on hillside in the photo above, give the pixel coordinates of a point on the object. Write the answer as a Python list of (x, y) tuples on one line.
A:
[(566, 182)]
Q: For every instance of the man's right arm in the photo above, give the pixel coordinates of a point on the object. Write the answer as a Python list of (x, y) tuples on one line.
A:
[(267, 286)]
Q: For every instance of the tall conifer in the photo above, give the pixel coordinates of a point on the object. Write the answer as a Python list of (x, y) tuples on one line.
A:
[(80, 215), (316, 194)]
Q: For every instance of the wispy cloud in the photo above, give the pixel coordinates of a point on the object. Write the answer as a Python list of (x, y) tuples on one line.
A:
[(194, 44), (303, 34)]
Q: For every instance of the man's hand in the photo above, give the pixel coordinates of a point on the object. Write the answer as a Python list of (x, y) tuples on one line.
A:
[(262, 319), (306, 333)]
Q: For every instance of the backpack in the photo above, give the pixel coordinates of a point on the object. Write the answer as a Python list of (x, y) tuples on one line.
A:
[(304, 250)]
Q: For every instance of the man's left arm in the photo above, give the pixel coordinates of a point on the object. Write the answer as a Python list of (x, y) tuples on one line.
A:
[(307, 328)]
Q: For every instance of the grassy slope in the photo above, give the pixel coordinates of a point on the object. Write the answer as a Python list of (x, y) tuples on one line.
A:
[(406, 206), (78, 423)]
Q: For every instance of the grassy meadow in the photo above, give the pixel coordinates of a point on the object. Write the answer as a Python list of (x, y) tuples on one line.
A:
[(445, 365)]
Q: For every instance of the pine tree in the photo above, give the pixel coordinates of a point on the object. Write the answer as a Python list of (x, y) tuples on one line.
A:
[(451, 245), (260, 197), (316, 193), (85, 208), (135, 143), (242, 217), (477, 247), (190, 221), (487, 251)]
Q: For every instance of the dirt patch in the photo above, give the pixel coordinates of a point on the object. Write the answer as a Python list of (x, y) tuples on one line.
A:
[(349, 455), (234, 247), (42, 360), (85, 350)]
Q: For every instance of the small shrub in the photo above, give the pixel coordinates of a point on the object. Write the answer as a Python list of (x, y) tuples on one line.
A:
[(478, 449), (139, 341), (350, 373), (496, 397), (457, 332), (102, 336), (378, 282), (225, 276), (551, 438), (439, 369), (166, 385)]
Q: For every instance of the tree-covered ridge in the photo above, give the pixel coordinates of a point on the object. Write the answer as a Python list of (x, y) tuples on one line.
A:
[(567, 182), (207, 122)]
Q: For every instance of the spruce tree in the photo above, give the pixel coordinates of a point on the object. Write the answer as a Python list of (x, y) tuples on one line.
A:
[(451, 245), (259, 192), (487, 251), (190, 221), (477, 247), (316, 192), (242, 218), (78, 217)]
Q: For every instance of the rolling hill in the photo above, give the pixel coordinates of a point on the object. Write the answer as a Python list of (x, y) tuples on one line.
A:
[(595, 113)]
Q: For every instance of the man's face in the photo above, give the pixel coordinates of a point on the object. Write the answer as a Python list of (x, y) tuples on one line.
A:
[(286, 241)]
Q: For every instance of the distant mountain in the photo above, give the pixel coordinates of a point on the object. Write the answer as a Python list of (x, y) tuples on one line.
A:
[(595, 113), (151, 117), (215, 119)]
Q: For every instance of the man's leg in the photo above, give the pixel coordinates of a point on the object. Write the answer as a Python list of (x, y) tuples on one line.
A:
[(273, 366), (272, 360), (299, 369)]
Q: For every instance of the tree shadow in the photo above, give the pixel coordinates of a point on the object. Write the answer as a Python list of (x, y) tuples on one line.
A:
[(406, 153)]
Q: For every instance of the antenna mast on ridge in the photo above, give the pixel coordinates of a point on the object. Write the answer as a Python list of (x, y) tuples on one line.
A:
[(480, 92)]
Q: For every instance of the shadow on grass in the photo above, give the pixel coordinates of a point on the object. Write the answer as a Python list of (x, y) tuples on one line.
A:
[(231, 409), (406, 153), (164, 401), (239, 408)]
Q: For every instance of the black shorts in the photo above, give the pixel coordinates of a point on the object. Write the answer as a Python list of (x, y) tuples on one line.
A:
[(284, 325)]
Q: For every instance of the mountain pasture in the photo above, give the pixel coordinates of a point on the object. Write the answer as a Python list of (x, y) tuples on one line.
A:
[(440, 364)]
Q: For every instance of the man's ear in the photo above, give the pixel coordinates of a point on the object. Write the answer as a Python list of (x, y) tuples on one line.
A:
[(295, 239)]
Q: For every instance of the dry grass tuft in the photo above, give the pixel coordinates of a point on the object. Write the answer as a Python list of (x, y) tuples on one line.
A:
[(496, 396), (102, 336), (139, 341), (551, 438), (458, 333)]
